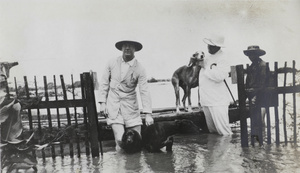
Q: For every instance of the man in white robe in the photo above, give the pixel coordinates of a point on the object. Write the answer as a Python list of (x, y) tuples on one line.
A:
[(214, 95)]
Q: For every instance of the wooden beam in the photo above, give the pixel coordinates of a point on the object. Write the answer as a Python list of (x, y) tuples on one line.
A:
[(197, 117), (92, 114), (279, 90), (59, 104), (242, 105)]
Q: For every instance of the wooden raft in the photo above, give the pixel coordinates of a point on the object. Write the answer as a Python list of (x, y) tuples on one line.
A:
[(169, 114)]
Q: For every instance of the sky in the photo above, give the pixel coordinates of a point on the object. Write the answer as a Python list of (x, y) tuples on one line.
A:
[(71, 37)]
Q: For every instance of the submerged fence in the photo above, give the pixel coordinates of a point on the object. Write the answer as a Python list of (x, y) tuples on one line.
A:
[(257, 127), (56, 113)]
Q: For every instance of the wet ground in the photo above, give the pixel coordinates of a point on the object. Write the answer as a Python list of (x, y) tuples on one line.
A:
[(191, 153)]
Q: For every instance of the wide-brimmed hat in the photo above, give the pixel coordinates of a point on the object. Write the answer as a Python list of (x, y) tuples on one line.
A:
[(138, 46), (254, 50), (215, 40)]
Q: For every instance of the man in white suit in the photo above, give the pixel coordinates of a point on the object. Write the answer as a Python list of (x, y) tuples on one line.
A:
[(214, 96), (118, 97)]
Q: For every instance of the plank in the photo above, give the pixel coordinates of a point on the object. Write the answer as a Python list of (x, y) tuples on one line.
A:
[(67, 112), (284, 105), (58, 116)]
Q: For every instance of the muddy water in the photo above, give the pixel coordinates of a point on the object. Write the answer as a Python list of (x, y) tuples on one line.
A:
[(191, 153)]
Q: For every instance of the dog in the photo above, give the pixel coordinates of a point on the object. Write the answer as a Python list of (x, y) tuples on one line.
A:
[(131, 141), (187, 77), (159, 134)]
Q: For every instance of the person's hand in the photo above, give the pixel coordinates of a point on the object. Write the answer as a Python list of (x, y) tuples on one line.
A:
[(103, 109), (200, 107), (148, 119), (253, 100)]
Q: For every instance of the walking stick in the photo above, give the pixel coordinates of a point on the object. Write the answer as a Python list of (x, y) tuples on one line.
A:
[(230, 92)]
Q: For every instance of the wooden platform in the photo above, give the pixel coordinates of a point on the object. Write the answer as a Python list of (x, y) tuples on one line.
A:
[(169, 114)]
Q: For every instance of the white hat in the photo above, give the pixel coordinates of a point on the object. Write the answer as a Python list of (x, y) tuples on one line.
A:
[(215, 41)]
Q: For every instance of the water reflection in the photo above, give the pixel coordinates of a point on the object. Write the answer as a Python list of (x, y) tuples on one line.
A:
[(165, 163), (272, 159), (188, 154), (219, 157), (191, 153), (133, 163)]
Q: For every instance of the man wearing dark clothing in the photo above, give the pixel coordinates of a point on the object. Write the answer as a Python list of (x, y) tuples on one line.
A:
[(257, 78), (257, 75)]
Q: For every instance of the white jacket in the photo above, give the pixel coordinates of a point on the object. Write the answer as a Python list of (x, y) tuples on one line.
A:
[(120, 94), (212, 89)]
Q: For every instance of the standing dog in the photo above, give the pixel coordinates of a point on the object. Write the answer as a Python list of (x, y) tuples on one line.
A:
[(186, 77), (159, 134)]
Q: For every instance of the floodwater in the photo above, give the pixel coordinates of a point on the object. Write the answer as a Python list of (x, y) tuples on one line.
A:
[(191, 153)]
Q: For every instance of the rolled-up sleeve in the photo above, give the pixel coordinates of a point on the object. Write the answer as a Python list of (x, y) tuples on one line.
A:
[(144, 92), (104, 84)]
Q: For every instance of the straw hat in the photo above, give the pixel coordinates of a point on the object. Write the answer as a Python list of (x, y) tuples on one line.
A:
[(138, 46), (254, 50), (215, 41)]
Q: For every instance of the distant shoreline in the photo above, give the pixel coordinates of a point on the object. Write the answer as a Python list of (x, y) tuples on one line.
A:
[(153, 80)]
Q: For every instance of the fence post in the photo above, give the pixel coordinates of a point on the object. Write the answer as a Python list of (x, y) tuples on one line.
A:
[(242, 105), (92, 114), (284, 105), (276, 104), (294, 104), (27, 96)]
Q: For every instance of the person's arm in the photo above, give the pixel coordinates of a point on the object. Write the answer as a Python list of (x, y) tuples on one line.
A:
[(104, 88), (145, 97), (217, 71)]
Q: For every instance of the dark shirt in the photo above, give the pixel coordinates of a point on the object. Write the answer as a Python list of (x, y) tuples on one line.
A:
[(257, 77), (257, 74)]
